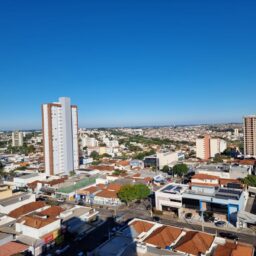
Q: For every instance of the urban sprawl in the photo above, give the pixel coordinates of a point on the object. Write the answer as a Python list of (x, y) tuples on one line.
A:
[(177, 190)]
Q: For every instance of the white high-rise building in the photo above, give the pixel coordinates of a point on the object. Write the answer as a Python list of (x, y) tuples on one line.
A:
[(217, 146), (17, 139), (60, 134), (208, 147)]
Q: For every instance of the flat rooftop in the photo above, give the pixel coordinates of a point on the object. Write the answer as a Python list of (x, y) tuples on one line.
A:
[(175, 189), (77, 185), (14, 199), (221, 193), (115, 246)]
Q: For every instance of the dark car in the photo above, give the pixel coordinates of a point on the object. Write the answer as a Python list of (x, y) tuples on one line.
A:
[(156, 218), (228, 235), (188, 216), (220, 223)]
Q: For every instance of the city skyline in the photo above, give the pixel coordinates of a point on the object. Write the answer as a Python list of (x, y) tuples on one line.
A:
[(137, 64)]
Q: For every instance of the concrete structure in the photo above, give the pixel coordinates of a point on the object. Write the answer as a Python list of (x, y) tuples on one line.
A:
[(208, 147), (11, 203), (160, 159), (17, 139), (5, 192), (250, 135), (169, 198), (60, 133)]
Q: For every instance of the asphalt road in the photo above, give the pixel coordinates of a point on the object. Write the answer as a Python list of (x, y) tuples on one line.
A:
[(143, 214)]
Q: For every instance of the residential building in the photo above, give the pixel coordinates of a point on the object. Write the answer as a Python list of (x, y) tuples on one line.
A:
[(160, 159), (169, 198), (60, 133), (250, 135), (143, 237), (11, 203), (208, 147), (17, 139)]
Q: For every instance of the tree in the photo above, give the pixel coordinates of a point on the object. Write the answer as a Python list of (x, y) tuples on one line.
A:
[(218, 158), (250, 180), (165, 169), (94, 155), (129, 193), (180, 169), (141, 191)]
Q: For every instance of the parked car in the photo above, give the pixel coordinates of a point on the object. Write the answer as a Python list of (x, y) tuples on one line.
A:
[(188, 216), (220, 223), (62, 250), (227, 235), (156, 218)]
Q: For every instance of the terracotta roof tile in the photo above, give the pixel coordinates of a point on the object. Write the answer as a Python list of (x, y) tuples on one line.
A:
[(194, 243), (163, 236), (12, 248), (27, 208), (141, 226), (52, 211), (232, 249), (37, 221), (202, 176)]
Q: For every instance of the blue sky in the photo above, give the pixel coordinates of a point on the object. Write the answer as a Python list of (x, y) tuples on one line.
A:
[(128, 62)]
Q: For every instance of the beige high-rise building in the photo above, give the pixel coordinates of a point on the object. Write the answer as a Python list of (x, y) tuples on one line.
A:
[(17, 139), (60, 134), (250, 135)]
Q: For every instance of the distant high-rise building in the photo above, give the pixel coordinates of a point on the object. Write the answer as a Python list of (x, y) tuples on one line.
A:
[(208, 147), (60, 134), (236, 132), (250, 135), (17, 139)]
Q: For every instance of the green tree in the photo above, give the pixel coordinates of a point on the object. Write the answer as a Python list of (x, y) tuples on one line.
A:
[(165, 169), (250, 180), (129, 193), (95, 155), (180, 169), (141, 191)]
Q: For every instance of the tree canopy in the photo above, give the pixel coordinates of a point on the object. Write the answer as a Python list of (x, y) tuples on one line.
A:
[(180, 169), (250, 180), (129, 193), (165, 169)]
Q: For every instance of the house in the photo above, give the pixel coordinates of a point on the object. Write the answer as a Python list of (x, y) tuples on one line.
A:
[(195, 243), (234, 249), (15, 201), (12, 248)]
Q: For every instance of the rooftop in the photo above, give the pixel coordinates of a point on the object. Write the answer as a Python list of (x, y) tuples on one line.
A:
[(194, 243), (12, 248), (14, 199), (163, 236), (232, 249), (27, 208), (78, 185), (174, 189)]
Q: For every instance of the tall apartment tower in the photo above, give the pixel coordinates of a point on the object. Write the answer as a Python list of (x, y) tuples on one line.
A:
[(203, 147), (250, 135), (208, 147), (60, 134), (17, 139)]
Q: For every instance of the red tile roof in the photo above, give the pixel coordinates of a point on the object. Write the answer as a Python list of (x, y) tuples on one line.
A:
[(52, 211), (202, 176), (232, 249), (194, 243), (12, 248), (27, 208), (163, 236), (141, 226)]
